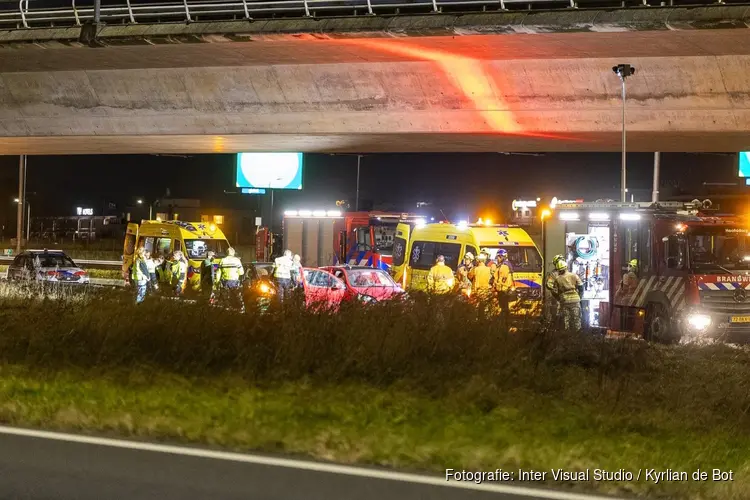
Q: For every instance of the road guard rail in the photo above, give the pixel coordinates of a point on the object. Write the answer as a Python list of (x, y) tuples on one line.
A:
[(82, 262), (19, 14)]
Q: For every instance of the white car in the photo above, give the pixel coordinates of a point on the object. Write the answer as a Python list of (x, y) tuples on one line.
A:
[(46, 266)]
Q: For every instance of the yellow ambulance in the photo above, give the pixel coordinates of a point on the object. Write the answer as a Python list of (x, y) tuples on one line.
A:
[(427, 241), (194, 239), (524, 257)]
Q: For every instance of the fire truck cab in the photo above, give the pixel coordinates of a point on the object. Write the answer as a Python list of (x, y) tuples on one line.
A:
[(333, 238), (692, 273)]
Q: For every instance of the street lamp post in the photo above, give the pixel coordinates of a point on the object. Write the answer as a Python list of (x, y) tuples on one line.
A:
[(150, 208), (623, 71), (21, 197)]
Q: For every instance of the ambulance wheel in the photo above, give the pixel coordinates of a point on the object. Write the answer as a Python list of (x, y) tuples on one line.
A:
[(658, 325)]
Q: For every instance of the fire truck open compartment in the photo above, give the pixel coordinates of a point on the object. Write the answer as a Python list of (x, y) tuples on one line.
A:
[(585, 244)]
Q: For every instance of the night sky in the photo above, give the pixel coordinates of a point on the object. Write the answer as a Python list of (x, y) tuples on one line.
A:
[(461, 184)]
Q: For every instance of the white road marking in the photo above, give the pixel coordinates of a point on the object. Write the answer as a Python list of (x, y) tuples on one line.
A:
[(299, 464)]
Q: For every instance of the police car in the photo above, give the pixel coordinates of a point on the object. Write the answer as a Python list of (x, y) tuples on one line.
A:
[(49, 266)]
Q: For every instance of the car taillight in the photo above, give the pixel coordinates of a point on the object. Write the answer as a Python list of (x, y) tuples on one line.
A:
[(80, 273), (51, 273)]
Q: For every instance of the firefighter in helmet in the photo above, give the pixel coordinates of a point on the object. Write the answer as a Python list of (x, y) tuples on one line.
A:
[(463, 273), (504, 284), (481, 276), (568, 288), (440, 279), (628, 284)]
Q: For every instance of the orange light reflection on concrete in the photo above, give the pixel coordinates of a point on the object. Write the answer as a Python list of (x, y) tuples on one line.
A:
[(470, 76), (218, 144)]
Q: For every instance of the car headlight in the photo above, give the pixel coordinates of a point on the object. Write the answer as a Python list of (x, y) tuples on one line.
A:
[(265, 289), (699, 322), (365, 298)]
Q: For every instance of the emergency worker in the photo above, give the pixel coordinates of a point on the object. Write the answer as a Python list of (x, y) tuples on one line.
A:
[(297, 274), (628, 284), (231, 270), (463, 273), (163, 274), (568, 287), (208, 276), (481, 276), (553, 305), (440, 279), (152, 282), (503, 283), (140, 276), (282, 272), (178, 265)]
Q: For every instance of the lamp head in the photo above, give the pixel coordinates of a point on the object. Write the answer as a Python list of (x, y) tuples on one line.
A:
[(623, 70)]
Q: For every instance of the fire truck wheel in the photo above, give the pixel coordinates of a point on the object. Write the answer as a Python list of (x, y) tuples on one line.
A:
[(658, 325)]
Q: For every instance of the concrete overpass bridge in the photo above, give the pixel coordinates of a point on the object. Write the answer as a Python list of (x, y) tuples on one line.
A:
[(412, 76)]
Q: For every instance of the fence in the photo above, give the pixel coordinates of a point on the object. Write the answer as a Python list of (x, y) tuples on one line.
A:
[(70, 13)]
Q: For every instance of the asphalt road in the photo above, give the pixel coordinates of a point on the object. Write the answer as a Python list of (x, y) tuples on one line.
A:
[(53, 467)]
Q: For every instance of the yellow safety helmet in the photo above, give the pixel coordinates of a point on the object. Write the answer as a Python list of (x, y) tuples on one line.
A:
[(560, 264), (469, 255), (633, 263)]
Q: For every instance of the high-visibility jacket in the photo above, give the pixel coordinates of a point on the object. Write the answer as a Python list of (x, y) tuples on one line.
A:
[(503, 278), (440, 279), (283, 268), (163, 273), (179, 269), (208, 275), (566, 286), (140, 271), (480, 277), (231, 269)]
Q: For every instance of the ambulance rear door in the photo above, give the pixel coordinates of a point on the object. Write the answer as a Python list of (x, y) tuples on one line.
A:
[(128, 249), (400, 247)]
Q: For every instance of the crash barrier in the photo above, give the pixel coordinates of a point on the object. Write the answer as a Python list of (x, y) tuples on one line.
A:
[(88, 263), (61, 13)]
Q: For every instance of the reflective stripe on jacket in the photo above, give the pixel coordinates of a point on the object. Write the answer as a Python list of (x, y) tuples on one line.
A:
[(503, 278), (440, 279), (140, 271), (481, 276), (231, 269), (283, 268), (567, 285)]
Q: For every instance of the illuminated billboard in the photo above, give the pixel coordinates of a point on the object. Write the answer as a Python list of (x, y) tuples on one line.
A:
[(744, 166), (269, 170)]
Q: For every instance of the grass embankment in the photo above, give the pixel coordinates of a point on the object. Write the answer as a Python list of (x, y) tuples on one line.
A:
[(381, 385)]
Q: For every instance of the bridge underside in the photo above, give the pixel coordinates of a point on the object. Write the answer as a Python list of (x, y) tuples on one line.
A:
[(518, 92)]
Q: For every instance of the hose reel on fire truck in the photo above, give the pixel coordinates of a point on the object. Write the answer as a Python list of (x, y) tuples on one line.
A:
[(586, 247)]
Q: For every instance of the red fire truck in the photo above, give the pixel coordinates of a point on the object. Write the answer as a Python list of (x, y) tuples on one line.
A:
[(692, 277), (324, 238)]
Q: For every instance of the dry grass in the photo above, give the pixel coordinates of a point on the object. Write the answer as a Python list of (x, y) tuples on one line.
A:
[(426, 385)]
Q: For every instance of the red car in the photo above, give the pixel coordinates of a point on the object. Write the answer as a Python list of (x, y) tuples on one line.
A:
[(323, 289), (366, 283)]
